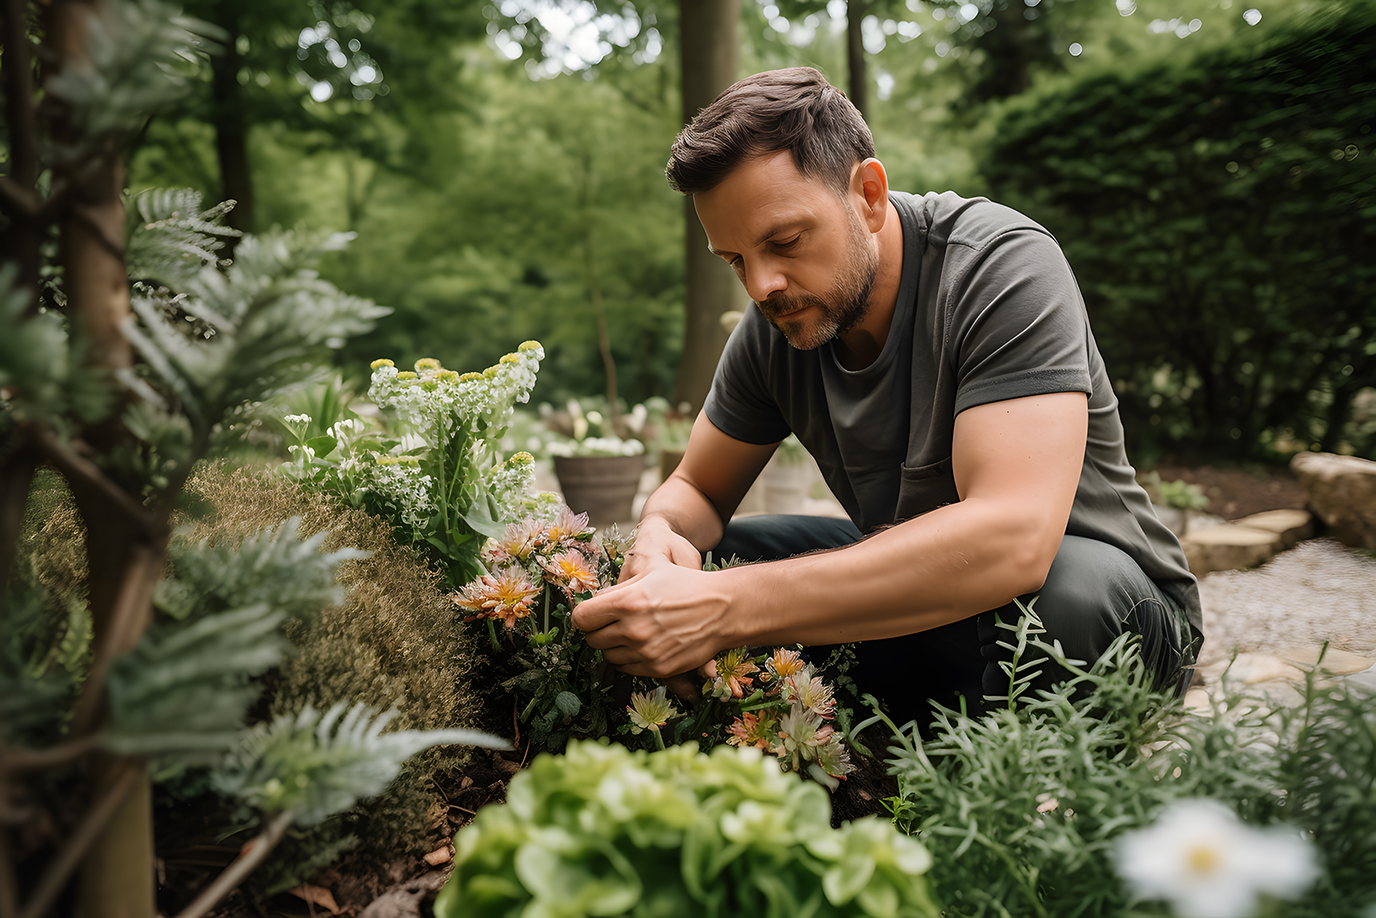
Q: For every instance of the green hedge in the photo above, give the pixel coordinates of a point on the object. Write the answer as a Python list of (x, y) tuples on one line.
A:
[(1218, 211)]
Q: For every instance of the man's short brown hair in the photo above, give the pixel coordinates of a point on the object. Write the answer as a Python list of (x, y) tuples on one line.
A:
[(795, 110)]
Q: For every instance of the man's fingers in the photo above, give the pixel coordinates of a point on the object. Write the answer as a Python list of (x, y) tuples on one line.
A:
[(595, 613)]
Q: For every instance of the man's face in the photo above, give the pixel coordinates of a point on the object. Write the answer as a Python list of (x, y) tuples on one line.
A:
[(801, 250)]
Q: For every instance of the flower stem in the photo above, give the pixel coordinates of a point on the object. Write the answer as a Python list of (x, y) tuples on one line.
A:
[(659, 739)]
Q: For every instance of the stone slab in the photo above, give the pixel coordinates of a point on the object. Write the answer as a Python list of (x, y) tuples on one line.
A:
[(1342, 493), (1291, 525), (1229, 547)]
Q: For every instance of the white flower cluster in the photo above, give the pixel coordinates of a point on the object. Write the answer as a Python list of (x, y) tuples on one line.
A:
[(429, 399), (510, 482), (596, 446), (400, 480)]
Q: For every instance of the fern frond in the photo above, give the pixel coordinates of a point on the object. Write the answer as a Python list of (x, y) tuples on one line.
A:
[(173, 237), (275, 567), (321, 763), (186, 688), (33, 693), (127, 49)]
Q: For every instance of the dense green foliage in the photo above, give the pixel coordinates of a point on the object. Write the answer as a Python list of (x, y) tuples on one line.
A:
[(1219, 212), (1024, 808), (605, 831)]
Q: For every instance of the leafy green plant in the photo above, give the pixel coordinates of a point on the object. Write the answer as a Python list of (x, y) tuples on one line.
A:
[(1025, 809), (432, 463), (603, 830)]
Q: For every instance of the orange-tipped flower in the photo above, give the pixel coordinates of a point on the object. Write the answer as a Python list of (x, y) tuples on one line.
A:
[(758, 730), (566, 527), (507, 595), (782, 664), (733, 674), (517, 542), (570, 571)]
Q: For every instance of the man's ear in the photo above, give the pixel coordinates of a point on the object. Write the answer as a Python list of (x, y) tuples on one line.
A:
[(870, 185)]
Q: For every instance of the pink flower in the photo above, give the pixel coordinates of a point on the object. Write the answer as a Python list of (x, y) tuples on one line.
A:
[(506, 594), (566, 527), (812, 693), (569, 570)]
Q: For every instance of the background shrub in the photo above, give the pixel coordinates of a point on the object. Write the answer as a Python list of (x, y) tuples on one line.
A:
[(1219, 215)]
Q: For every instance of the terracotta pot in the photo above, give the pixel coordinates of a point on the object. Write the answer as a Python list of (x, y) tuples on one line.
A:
[(603, 487)]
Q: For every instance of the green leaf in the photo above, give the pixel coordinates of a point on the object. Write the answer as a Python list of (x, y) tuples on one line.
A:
[(568, 704), (323, 446)]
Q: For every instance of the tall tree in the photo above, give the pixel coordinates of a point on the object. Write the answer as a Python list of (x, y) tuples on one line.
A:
[(708, 58)]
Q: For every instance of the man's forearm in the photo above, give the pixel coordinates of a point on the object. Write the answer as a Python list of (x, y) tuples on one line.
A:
[(948, 565), (686, 511)]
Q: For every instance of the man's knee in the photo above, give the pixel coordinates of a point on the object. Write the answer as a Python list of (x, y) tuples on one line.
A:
[(773, 537), (1093, 593)]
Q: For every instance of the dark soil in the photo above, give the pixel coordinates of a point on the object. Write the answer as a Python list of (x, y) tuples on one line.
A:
[(1237, 492)]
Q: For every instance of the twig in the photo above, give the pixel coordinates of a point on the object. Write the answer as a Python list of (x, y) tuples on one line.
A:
[(81, 471), (242, 866), (16, 477), (135, 594), (15, 760), (86, 832)]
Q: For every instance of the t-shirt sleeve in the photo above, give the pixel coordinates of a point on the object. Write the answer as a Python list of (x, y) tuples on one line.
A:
[(740, 403), (1017, 324)]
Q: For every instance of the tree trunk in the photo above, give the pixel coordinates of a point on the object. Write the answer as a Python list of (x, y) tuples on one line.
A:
[(708, 59), (231, 132), (125, 556), (858, 87), (21, 239)]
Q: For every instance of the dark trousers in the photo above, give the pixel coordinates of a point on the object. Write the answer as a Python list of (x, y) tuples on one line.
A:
[(1093, 593)]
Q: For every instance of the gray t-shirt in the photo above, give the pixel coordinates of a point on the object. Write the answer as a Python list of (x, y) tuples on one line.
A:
[(987, 310)]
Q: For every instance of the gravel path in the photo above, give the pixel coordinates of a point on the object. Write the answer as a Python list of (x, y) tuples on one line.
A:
[(1318, 591)]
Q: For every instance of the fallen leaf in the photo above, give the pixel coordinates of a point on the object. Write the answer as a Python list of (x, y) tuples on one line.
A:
[(316, 895)]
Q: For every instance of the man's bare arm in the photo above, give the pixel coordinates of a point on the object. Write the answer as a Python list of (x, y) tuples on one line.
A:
[(686, 514), (1016, 463)]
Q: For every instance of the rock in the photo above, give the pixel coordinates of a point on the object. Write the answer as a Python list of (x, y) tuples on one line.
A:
[(1342, 493), (1291, 525), (1229, 548), (405, 899)]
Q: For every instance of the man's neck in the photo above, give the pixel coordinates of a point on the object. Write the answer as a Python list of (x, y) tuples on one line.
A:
[(861, 346)]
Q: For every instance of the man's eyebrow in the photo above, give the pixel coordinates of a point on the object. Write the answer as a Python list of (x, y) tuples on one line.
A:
[(779, 229), (776, 230)]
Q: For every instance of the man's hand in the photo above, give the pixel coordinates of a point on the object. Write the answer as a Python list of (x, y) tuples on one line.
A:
[(663, 621), (656, 543)]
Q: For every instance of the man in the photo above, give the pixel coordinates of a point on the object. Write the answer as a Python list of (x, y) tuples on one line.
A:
[(934, 355)]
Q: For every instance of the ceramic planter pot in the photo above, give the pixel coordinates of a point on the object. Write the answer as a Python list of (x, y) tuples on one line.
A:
[(603, 487)]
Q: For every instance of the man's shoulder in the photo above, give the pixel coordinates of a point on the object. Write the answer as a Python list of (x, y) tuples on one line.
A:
[(946, 218)]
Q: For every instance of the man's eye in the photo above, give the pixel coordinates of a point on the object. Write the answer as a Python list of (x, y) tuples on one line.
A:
[(784, 244)]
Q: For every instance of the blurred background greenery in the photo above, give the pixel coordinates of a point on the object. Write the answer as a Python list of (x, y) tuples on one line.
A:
[(1206, 164)]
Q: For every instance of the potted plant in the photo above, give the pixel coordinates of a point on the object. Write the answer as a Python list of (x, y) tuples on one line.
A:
[(599, 468)]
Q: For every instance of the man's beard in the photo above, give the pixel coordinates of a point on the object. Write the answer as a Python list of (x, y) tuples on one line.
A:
[(842, 308)]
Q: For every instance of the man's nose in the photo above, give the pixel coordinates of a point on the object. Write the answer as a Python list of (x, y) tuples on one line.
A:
[(762, 279)]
